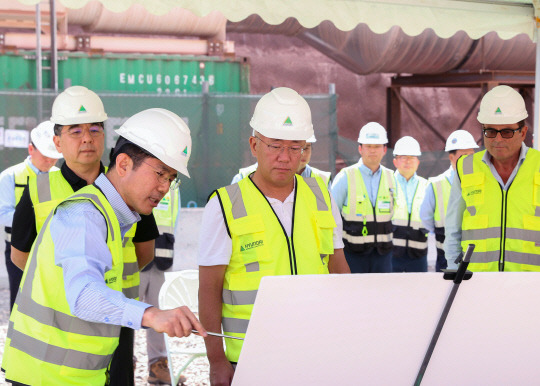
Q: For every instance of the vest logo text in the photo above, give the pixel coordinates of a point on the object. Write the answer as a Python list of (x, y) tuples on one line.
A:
[(111, 280), (254, 244), (473, 192)]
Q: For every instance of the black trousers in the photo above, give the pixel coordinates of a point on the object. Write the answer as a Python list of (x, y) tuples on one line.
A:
[(14, 276), (121, 372)]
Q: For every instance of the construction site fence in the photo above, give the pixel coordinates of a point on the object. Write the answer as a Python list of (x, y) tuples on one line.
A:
[(220, 131)]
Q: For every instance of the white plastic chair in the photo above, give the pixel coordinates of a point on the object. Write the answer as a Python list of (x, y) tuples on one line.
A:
[(180, 289)]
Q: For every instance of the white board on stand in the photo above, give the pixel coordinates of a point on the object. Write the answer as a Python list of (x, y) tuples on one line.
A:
[(369, 329), (374, 329)]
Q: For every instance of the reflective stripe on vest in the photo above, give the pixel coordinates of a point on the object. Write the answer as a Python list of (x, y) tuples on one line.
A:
[(261, 248), (409, 233), (131, 277), (325, 176), (46, 192), (44, 335), (504, 225), (366, 225)]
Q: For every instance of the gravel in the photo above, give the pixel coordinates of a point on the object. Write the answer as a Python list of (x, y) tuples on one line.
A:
[(196, 373)]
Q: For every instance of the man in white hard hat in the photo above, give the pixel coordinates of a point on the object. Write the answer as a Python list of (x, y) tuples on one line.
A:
[(65, 331), (304, 169), (42, 156), (433, 209), (410, 237), (364, 193), (78, 115), (264, 226), (495, 197)]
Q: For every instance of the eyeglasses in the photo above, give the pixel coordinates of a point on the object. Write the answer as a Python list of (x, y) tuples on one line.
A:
[(277, 149), (505, 133), (78, 132), (405, 157), (163, 179)]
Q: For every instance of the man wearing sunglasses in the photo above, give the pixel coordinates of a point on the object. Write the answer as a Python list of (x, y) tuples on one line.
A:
[(495, 197), (79, 115), (271, 223)]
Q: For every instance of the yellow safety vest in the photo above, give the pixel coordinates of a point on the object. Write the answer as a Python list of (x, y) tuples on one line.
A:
[(46, 343), (260, 246), (165, 214), (367, 226), (48, 190), (325, 176), (441, 189), (409, 234), (503, 225), (21, 173)]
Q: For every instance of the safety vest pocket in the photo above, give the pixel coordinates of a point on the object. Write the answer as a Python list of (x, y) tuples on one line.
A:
[(323, 227), (250, 241), (473, 188), (531, 234)]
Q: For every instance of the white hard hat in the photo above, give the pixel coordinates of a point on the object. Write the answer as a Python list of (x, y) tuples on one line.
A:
[(407, 146), (42, 138), (311, 139), (283, 114), (163, 134), (460, 139), (502, 106), (372, 133), (76, 105)]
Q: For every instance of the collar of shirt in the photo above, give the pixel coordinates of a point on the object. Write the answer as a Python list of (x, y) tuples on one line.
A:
[(28, 162), (522, 154), (126, 217), (412, 181), (284, 210), (306, 172), (74, 180), (367, 171), (487, 160)]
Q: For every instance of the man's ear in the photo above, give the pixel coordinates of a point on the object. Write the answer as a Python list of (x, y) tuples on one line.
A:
[(123, 164), (252, 145), (56, 140)]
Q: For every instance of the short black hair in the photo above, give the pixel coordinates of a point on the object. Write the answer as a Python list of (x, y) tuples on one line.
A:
[(137, 154), (453, 152)]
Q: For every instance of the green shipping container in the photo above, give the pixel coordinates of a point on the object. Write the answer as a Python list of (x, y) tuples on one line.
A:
[(168, 74)]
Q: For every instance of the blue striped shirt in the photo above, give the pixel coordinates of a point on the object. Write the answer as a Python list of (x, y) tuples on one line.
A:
[(79, 233)]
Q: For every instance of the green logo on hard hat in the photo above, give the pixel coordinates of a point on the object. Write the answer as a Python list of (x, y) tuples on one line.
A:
[(185, 152), (82, 109), (498, 111), (287, 122)]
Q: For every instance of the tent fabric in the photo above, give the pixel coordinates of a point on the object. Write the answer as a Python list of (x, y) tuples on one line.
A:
[(476, 17)]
